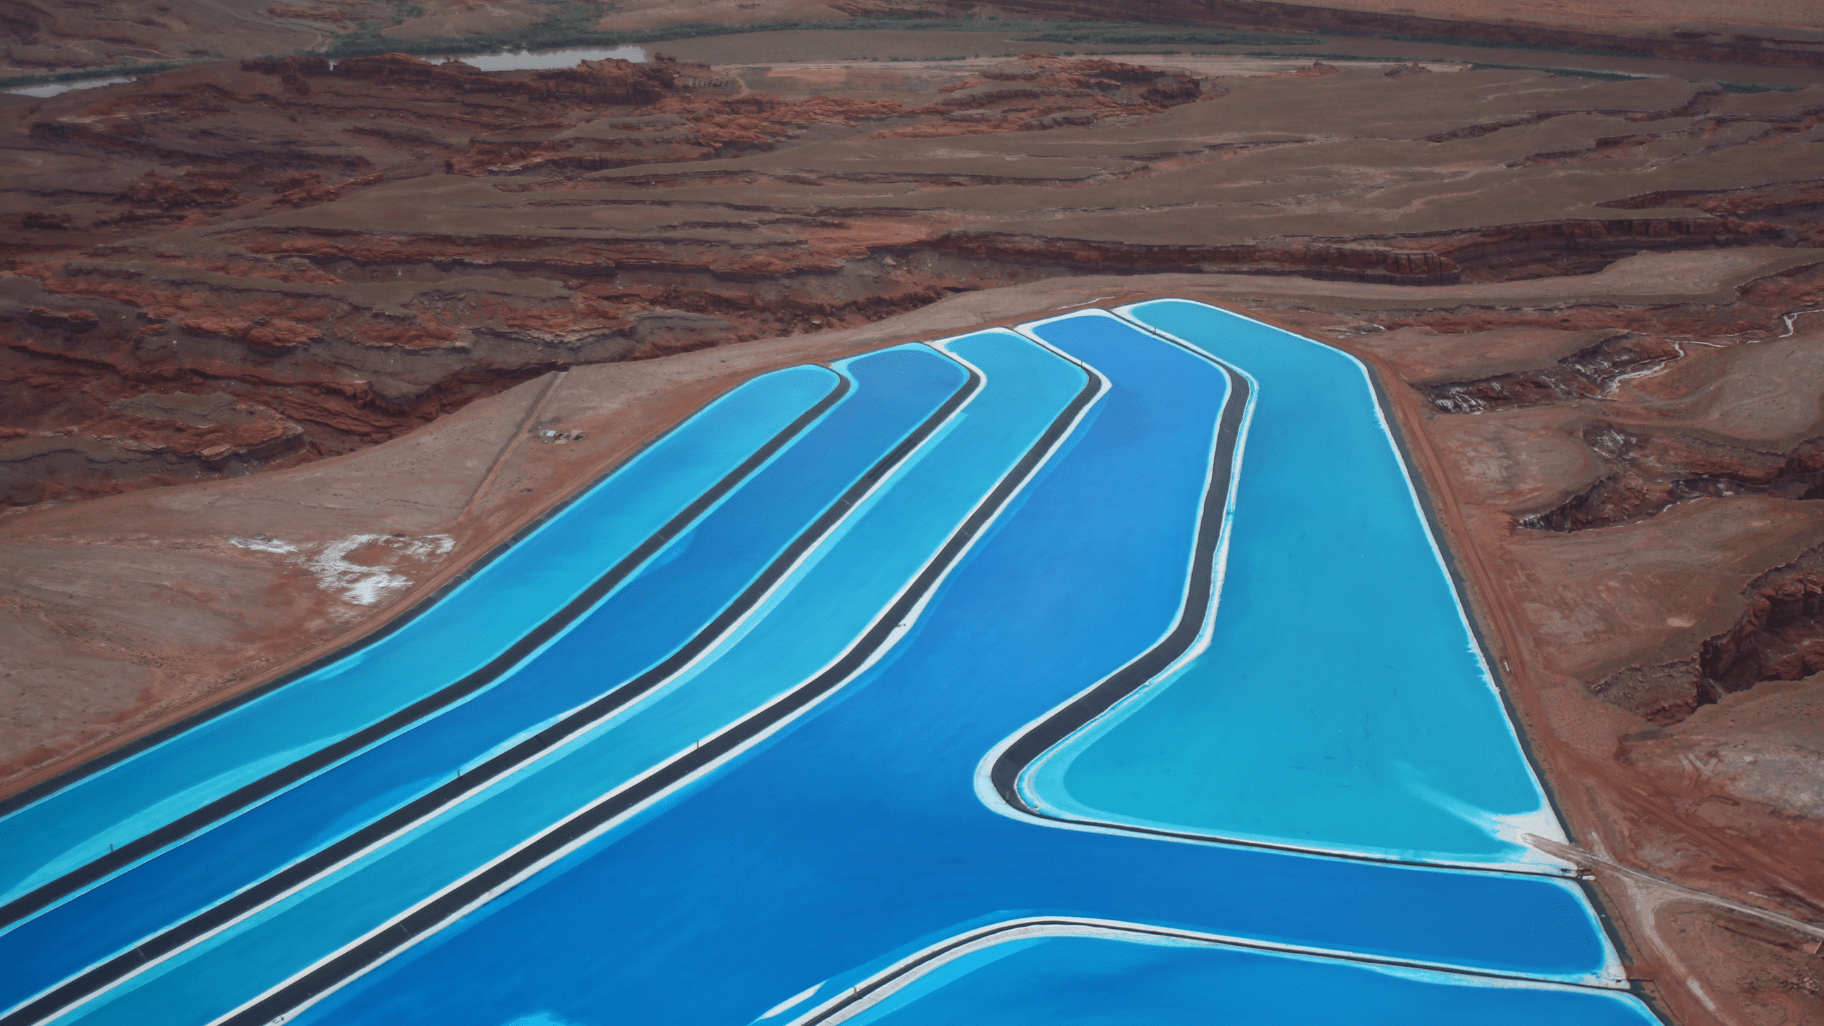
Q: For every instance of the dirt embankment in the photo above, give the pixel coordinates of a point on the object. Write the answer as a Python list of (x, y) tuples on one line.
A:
[(346, 255), (57, 35)]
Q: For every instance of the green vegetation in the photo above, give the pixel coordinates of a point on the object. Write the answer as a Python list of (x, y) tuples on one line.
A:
[(1117, 35), (572, 22), (1601, 76), (571, 26), (1739, 87), (1499, 44), (1606, 76), (151, 68), (1281, 54)]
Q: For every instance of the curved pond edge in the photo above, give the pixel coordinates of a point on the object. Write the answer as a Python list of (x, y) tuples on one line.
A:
[(662, 782), (1006, 771), (535, 744), (858, 998), (1002, 766), (124, 855)]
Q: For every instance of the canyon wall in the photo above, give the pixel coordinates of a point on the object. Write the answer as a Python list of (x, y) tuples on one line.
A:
[(339, 256)]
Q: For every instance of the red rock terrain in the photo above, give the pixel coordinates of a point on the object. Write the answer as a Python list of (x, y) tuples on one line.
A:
[(349, 254), (338, 305), (193, 237), (1643, 506)]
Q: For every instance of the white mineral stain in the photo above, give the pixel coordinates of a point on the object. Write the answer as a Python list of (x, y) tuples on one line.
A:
[(356, 583)]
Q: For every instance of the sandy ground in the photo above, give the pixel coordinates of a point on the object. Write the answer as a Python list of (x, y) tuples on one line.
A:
[(171, 645), (847, 77), (1798, 17)]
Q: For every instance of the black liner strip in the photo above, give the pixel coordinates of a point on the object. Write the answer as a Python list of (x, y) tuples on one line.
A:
[(884, 981), (100, 762), (124, 855), (457, 900), (1130, 678), (1005, 773), (298, 873)]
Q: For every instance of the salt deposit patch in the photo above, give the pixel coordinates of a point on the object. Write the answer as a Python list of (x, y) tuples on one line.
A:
[(358, 583)]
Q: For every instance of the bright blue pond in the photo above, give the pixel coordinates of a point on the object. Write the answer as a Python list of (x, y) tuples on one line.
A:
[(1096, 981), (821, 609), (473, 624), (865, 831), (1341, 703), (856, 836), (641, 622)]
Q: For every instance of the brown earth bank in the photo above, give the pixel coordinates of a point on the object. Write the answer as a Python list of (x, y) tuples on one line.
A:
[(330, 313)]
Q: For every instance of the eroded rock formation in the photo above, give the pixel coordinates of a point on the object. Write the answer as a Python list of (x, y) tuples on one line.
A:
[(1779, 636), (356, 250)]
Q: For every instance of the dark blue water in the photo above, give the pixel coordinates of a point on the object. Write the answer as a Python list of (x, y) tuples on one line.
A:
[(473, 624), (644, 620), (858, 836), (823, 606)]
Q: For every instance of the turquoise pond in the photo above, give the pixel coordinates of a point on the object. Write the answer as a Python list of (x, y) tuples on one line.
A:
[(1337, 699), (1102, 671), (893, 531)]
